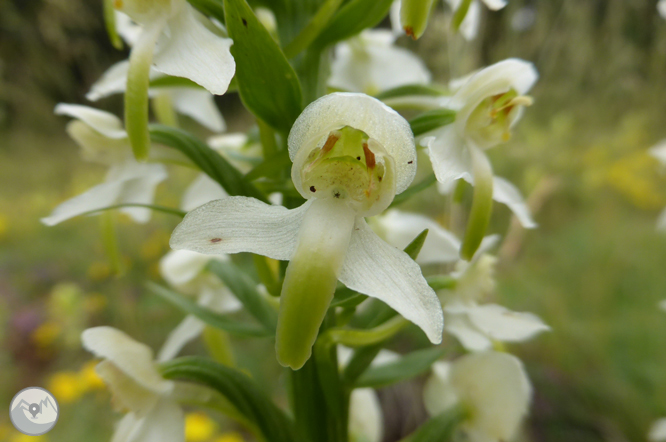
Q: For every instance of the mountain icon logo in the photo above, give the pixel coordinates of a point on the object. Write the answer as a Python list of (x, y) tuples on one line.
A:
[(33, 411)]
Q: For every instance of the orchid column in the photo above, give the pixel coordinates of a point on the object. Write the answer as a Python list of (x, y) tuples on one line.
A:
[(351, 154)]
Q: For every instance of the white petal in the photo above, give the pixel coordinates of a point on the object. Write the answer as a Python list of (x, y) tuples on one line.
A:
[(506, 193), (451, 159), (662, 305), (396, 26), (165, 423), (103, 122), (496, 388), (179, 267), (661, 8), (96, 198), (365, 416), (469, 28), (400, 228), (370, 64), (201, 191), (220, 299), (495, 5), (438, 393), (139, 182), (459, 325), (97, 148), (113, 81), (505, 325), (198, 104), (376, 269), (127, 393), (240, 224), (333, 111), (129, 356), (228, 141), (658, 429), (187, 330), (659, 150), (127, 28), (188, 49), (125, 428)]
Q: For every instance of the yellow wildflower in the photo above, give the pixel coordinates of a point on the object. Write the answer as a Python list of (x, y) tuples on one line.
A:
[(199, 427), (66, 386), (46, 334), (230, 437)]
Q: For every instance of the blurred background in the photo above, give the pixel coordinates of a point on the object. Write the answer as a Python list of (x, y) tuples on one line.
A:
[(594, 270)]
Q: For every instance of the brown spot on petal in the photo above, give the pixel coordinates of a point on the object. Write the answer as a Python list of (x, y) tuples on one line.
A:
[(330, 142), (214, 240), (369, 156), (312, 189), (410, 162)]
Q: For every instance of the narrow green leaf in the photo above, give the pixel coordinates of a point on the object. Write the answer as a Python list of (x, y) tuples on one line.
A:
[(170, 81), (414, 248), (431, 120), (410, 192), (110, 241), (440, 428), (347, 298), (210, 162), (359, 363), (363, 337), (262, 70), (312, 29), (441, 282), (351, 19), (110, 24), (270, 167), (211, 318), (163, 209), (246, 291), (211, 8), (460, 14), (412, 89), (239, 390), (407, 367)]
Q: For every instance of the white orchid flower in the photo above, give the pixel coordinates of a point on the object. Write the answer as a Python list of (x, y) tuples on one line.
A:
[(365, 416), (658, 430), (130, 373), (661, 8), (351, 154), (478, 326), (185, 271), (371, 63), (492, 387), (194, 102), (400, 228), (176, 43), (488, 104), (658, 151), (103, 140), (469, 27)]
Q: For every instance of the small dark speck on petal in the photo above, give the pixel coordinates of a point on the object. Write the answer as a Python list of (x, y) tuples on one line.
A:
[(410, 162), (312, 189), (214, 240)]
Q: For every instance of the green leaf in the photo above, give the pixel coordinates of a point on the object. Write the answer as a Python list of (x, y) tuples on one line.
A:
[(362, 337), (270, 167), (414, 248), (211, 318), (359, 363), (210, 162), (170, 81), (267, 83), (407, 367), (266, 275), (246, 291), (347, 298), (212, 8), (440, 428), (431, 120), (110, 24), (312, 29), (250, 401), (441, 282), (412, 89), (410, 192), (351, 19)]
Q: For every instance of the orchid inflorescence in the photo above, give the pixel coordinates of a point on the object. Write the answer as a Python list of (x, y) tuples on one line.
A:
[(337, 270)]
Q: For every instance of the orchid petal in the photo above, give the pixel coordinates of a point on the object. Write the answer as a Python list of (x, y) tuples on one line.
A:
[(459, 325), (240, 224), (127, 28), (658, 430), (129, 356), (138, 186), (198, 104), (186, 331), (438, 394), (113, 81), (506, 193), (658, 151), (365, 416), (164, 423), (469, 28), (179, 267), (103, 122), (125, 428), (192, 51), (400, 228), (496, 388), (396, 26), (661, 221), (128, 394), (495, 5), (374, 268), (451, 160), (97, 148), (362, 112), (504, 325), (201, 191)]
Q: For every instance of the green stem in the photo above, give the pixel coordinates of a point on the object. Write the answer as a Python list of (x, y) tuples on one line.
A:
[(312, 29), (110, 240), (163, 109), (163, 209), (482, 204), (110, 24), (460, 14), (360, 337)]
